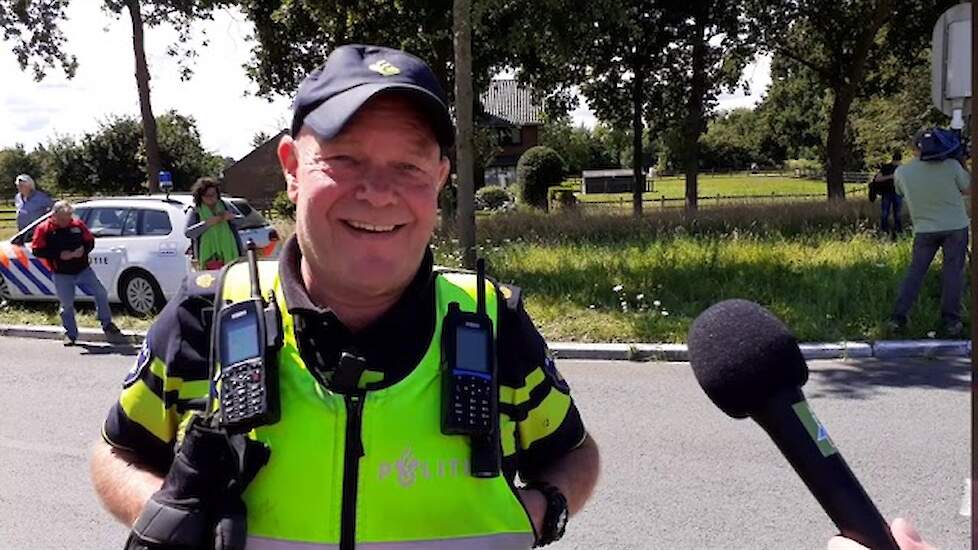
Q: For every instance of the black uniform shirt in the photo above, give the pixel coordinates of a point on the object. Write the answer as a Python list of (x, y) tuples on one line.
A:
[(172, 367)]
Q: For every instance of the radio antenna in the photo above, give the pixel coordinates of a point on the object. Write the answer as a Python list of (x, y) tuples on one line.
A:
[(480, 281), (253, 265)]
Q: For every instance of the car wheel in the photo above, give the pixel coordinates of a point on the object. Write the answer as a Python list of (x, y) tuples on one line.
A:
[(140, 293), (4, 290)]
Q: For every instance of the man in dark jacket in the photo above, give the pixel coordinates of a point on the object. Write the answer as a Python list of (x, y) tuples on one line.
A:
[(65, 242), (890, 201)]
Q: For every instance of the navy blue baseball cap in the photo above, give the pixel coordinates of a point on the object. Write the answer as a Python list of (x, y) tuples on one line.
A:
[(353, 74)]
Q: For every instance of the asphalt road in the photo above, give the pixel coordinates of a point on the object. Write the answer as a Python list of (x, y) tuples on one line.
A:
[(677, 473)]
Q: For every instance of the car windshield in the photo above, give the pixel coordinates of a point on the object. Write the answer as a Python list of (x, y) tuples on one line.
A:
[(252, 217)]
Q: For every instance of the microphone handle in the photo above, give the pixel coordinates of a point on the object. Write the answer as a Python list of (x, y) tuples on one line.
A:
[(802, 439)]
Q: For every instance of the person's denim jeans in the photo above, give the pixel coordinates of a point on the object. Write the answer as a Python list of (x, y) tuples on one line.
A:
[(87, 281), (954, 246), (890, 202)]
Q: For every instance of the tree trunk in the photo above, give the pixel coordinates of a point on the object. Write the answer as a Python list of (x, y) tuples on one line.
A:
[(464, 146), (694, 113), (845, 91), (836, 143), (145, 108), (638, 102)]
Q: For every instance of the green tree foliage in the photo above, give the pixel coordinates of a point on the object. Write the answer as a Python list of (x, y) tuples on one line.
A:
[(612, 52), (732, 141), (182, 153), (855, 49), (39, 43), (793, 114), (112, 156), (884, 124), (63, 165), (13, 162), (282, 207), (295, 36), (493, 197), (259, 139), (539, 168), (580, 147), (111, 159), (712, 44)]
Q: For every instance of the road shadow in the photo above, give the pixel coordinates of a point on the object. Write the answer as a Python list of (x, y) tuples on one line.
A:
[(116, 348), (866, 378)]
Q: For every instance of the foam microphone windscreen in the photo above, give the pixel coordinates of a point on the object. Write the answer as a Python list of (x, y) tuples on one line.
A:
[(742, 355)]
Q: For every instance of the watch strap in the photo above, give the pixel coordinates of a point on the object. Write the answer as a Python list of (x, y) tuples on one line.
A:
[(555, 518)]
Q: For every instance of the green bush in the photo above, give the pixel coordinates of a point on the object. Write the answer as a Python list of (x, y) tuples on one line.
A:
[(538, 169), (493, 197), (282, 207), (565, 198)]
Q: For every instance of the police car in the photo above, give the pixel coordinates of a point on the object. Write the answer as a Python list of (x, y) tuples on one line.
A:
[(141, 254)]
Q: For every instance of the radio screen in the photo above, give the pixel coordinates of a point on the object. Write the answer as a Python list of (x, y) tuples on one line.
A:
[(471, 349), (239, 338)]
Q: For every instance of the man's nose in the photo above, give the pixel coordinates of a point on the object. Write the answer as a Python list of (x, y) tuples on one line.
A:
[(376, 189)]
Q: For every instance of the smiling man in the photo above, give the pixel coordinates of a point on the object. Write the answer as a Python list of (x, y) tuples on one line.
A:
[(358, 457)]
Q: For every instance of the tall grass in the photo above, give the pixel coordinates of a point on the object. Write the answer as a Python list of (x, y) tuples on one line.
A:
[(610, 277), (821, 267)]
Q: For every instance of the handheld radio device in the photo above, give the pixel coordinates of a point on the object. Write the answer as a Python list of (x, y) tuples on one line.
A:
[(247, 337), (470, 401)]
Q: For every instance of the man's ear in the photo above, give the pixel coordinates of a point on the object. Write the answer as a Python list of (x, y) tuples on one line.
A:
[(288, 158), (444, 168)]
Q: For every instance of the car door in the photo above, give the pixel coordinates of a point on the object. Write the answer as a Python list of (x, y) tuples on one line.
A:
[(254, 227), (113, 227), (23, 276)]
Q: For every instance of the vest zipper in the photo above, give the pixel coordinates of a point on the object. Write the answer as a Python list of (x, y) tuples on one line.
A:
[(351, 470)]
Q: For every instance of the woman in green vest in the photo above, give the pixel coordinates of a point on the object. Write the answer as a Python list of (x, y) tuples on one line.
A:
[(212, 226)]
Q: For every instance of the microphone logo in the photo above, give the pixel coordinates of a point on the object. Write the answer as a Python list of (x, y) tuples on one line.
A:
[(815, 428)]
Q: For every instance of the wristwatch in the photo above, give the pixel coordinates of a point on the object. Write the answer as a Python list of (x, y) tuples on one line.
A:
[(555, 519)]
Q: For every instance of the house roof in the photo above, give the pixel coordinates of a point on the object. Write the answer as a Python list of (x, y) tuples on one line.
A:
[(506, 101), (272, 143)]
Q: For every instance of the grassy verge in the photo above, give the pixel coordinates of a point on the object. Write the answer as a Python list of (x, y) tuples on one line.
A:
[(46, 313), (606, 277), (819, 267), (735, 186)]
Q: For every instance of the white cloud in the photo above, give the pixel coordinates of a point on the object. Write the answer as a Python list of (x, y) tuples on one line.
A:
[(227, 117)]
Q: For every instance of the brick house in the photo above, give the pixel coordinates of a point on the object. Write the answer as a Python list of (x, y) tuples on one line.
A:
[(510, 112), (257, 176)]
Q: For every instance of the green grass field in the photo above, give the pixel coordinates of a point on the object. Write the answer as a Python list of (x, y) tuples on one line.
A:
[(727, 186), (820, 267), (824, 287)]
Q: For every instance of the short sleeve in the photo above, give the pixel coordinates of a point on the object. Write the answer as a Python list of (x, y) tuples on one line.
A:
[(532, 391), (170, 370)]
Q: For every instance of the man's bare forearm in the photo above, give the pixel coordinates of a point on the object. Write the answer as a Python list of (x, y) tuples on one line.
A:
[(121, 482), (575, 474)]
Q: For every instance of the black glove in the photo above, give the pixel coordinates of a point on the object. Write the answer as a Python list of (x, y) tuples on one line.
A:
[(199, 505)]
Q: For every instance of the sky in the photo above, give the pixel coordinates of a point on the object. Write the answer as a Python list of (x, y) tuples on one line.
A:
[(220, 96)]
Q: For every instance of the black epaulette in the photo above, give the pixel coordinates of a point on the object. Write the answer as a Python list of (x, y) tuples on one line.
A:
[(513, 296), (202, 284)]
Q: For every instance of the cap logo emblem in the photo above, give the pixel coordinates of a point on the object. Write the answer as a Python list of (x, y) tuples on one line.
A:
[(384, 67)]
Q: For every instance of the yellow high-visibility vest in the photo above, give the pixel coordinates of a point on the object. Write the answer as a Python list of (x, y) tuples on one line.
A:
[(408, 486)]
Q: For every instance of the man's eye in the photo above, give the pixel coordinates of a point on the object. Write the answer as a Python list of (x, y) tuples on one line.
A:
[(407, 167), (346, 159)]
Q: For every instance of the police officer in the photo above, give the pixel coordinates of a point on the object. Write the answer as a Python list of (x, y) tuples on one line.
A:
[(364, 162)]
